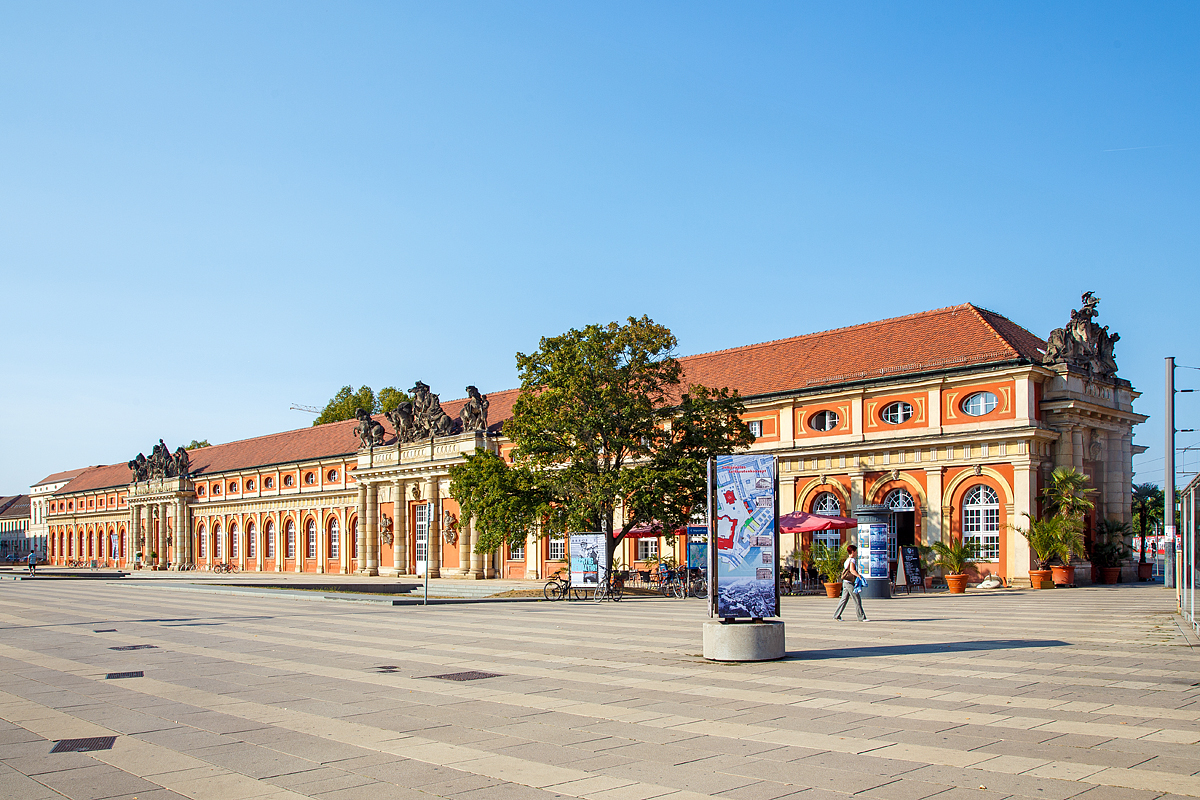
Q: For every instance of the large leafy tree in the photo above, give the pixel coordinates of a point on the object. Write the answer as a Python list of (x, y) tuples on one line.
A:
[(602, 423), (343, 404)]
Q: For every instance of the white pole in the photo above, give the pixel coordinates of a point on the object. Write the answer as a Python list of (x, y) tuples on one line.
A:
[(1169, 483), (427, 528)]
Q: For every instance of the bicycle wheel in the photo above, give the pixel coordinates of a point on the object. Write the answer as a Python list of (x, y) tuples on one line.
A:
[(553, 591), (618, 592), (234, 568), (677, 589), (579, 593), (600, 594)]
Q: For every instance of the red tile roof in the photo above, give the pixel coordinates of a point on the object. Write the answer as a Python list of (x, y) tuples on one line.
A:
[(945, 338), (58, 477), (962, 335), (14, 507)]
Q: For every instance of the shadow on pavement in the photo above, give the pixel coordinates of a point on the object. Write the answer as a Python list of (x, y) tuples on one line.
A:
[(921, 649)]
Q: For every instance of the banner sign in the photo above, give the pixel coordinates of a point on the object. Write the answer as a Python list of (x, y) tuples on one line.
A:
[(587, 554), (747, 539), (697, 547)]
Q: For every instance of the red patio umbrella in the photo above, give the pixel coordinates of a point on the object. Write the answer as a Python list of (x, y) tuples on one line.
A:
[(803, 522)]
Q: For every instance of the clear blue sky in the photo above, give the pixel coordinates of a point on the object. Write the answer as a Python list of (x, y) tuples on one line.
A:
[(210, 211)]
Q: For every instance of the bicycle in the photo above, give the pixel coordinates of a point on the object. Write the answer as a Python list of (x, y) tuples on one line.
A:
[(672, 585), (612, 589), (227, 567), (558, 587), (698, 585)]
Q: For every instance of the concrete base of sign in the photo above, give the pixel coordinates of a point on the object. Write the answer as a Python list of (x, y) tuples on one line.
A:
[(877, 588), (744, 641)]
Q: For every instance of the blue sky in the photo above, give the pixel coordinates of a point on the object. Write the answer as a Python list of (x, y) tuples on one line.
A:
[(211, 211)]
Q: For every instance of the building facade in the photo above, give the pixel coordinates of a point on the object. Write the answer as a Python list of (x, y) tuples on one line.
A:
[(15, 539), (951, 418)]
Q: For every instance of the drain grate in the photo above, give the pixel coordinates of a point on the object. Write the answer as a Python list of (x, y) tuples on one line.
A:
[(84, 745), (112, 676), (135, 647), (471, 675), (387, 669), (105, 630)]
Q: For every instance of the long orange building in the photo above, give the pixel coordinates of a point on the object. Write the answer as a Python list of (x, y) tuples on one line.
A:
[(951, 418)]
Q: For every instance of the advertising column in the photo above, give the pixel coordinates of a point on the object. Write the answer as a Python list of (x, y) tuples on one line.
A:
[(873, 549), (743, 577)]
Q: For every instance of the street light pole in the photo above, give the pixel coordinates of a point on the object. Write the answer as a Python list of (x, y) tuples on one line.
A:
[(1169, 479)]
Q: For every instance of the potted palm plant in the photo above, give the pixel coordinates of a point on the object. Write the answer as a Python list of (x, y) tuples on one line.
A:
[(828, 563), (1042, 537), (1066, 497), (1110, 550), (1147, 504), (956, 558), (1068, 544)]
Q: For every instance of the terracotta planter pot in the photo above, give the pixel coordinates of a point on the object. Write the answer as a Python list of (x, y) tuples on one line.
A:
[(833, 590), (1064, 576), (957, 583), (1110, 574), (1038, 578), (1145, 571)]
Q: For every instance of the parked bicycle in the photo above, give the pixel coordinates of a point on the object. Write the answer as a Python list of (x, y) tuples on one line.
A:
[(697, 585), (613, 589), (558, 587), (672, 584), (227, 567)]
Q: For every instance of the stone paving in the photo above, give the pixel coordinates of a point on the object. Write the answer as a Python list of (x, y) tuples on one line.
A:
[(1088, 693)]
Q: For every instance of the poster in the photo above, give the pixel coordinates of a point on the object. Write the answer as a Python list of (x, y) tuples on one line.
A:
[(746, 582), (587, 554), (873, 549), (697, 547)]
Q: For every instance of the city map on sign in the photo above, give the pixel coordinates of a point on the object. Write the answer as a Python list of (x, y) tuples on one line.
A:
[(745, 531)]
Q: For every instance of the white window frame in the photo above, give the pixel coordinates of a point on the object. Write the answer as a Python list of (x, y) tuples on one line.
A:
[(557, 548), (335, 539), (981, 521), (251, 540), (289, 535), (310, 539), (821, 505), (269, 534), (516, 553), (756, 427), (647, 548), (218, 543), (203, 537), (421, 531), (986, 400), (233, 540), (832, 418), (896, 413), (898, 499)]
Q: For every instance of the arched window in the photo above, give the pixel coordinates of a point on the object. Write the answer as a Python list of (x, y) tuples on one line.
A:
[(310, 536), (269, 538), (251, 541), (898, 501), (981, 521), (289, 532), (896, 413), (335, 547), (827, 505), (203, 540), (354, 538), (233, 540), (979, 404), (218, 544)]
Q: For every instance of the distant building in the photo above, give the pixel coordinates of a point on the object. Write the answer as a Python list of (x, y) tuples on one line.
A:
[(39, 501), (14, 528)]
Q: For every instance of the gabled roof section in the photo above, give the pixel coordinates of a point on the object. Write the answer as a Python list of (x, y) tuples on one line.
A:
[(59, 477), (14, 507), (106, 476), (945, 338)]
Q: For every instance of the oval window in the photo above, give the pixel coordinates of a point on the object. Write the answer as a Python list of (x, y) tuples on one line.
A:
[(309, 479), (896, 413), (250, 485), (269, 482), (823, 421), (200, 491), (978, 404), (288, 480), (233, 486), (332, 475), (216, 489)]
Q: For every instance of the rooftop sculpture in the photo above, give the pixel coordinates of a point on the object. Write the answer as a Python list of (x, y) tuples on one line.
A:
[(1084, 344)]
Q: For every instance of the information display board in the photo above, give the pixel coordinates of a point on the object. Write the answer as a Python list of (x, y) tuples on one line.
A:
[(910, 559), (873, 549), (587, 556), (744, 512), (697, 547)]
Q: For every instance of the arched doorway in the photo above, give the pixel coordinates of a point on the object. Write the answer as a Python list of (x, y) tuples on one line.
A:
[(902, 525)]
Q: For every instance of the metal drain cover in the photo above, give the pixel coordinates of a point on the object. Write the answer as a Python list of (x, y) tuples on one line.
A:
[(387, 669), (135, 647), (471, 675), (105, 630), (84, 745), (112, 676)]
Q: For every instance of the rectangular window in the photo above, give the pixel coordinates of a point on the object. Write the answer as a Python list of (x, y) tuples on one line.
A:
[(291, 542), (312, 540), (421, 528), (830, 539), (335, 541), (251, 544), (517, 553), (270, 542), (557, 549), (233, 545), (203, 546), (756, 427), (646, 548), (982, 526)]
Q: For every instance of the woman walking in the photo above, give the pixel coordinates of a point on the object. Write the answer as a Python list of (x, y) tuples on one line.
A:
[(850, 575)]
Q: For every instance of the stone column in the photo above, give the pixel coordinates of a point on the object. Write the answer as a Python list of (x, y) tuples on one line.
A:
[(347, 541), (372, 543), (399, 528), (1127, 477), (476, 572), (1077, 446), (434, 548), (1024, 502), (162, 534), (261, 544), (464, 546), (361, 554), (857, 477), (132, 532), (322, 544), (1114, 474), (931, 516), (277, 535), (531, 556)]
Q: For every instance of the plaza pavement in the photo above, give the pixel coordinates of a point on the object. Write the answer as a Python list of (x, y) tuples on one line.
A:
[(1084, 693)]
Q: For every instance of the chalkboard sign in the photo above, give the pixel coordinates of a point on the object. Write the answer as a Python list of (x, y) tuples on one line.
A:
[(910, 557)]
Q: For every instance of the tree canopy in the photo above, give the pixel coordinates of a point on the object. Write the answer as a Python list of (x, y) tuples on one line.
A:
[(197, 444), (602, 423), (344, 403)]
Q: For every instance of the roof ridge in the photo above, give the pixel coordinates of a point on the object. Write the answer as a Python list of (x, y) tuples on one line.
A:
[(914, 315), (979, 313)]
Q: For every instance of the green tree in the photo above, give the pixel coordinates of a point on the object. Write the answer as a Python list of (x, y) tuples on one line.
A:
[(1066, 495), (347, 401), (197, 444), (602, 423)]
